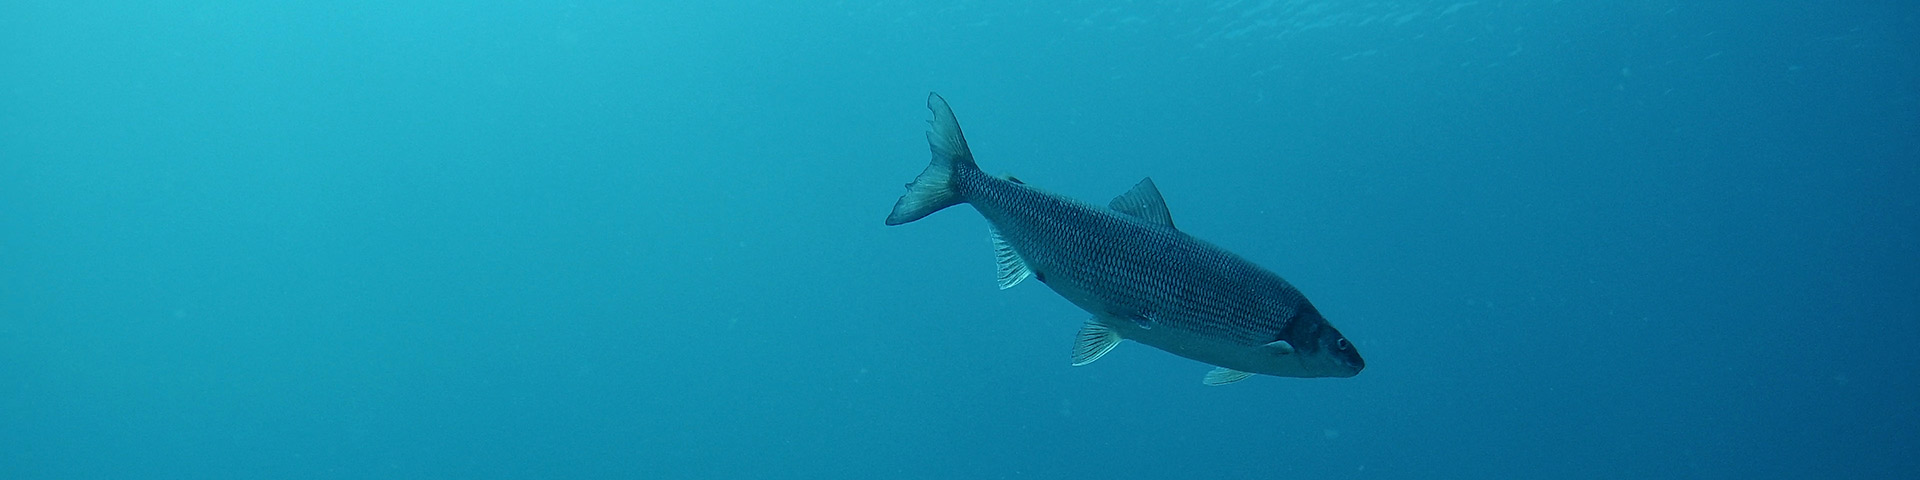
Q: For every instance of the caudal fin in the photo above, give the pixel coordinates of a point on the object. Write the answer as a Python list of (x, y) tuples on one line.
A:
[(934, 188)]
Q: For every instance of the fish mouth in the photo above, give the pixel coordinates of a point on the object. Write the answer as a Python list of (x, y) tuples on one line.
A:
[(1350, 370)]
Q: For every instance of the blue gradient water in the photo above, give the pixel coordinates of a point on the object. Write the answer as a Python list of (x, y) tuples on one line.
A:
[(1640, 239)]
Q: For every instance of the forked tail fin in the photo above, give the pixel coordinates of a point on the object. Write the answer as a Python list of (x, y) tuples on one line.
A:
[(934, 188)]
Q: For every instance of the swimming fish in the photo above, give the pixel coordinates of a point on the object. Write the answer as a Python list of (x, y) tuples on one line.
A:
[(1141, 278)]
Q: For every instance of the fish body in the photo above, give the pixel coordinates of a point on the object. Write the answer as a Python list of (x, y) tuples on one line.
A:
[(1141, 278)]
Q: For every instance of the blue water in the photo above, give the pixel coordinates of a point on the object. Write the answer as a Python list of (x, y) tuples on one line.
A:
[(375, 239)]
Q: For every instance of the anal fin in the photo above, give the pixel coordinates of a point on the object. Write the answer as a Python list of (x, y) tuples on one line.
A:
[(1013, 270), (1095, 339)]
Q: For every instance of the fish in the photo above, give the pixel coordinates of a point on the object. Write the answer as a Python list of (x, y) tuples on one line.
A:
[(1141, 278)]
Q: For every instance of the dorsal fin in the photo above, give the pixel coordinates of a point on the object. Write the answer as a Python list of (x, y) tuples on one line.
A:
[(1143, 202)]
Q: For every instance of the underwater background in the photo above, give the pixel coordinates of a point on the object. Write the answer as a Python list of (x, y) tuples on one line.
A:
[(607, 239)]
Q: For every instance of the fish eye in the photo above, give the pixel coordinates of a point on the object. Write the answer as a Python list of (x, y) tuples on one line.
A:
[(1341, 343)]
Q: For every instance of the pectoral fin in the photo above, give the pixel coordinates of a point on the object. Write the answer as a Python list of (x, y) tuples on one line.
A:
[(1223, 375), (1095, 339), (1278, 347)]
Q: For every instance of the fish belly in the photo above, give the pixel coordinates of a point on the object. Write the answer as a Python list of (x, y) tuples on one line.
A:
[(1191, 345)]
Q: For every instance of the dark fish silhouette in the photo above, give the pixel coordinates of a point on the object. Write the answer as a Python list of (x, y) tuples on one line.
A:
[(1141, 279)]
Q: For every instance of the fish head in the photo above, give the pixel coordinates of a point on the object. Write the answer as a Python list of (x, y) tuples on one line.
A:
[(1337, 356), (1320, 349)]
